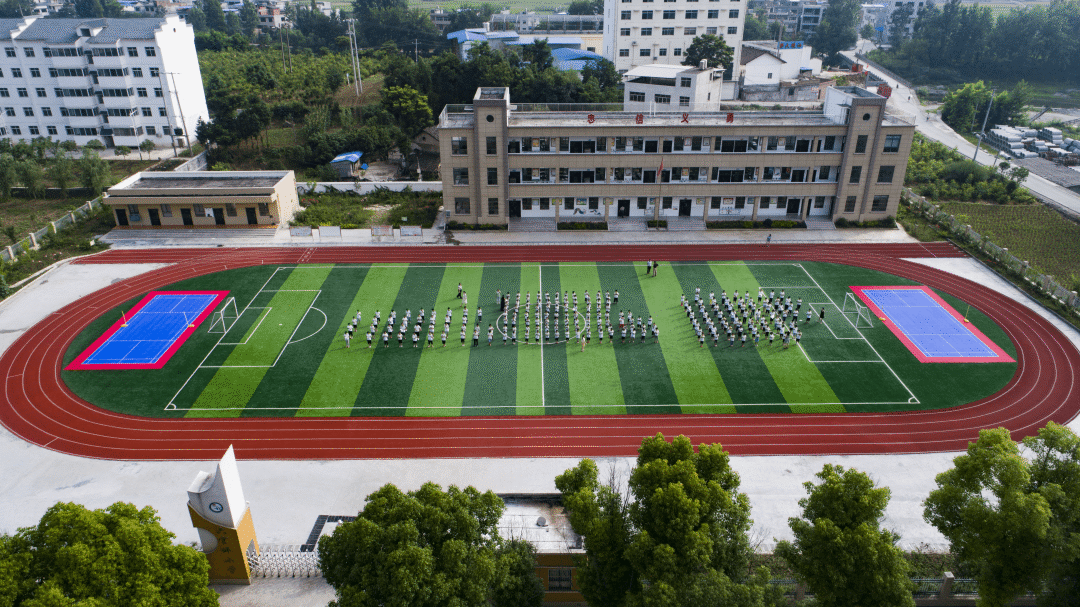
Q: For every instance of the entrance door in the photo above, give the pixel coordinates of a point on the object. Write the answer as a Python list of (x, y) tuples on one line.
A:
[(515, 208), (793, 205), (155, 220), (185, 215), (684, 207), (108, 141), (121, 217), (251, 217), (219, 216), (624, 207)]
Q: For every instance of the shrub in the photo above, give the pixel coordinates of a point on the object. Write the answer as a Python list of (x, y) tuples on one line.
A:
[(457, 225), (582, 225), (744, 224), (657, 223), (886, 222)]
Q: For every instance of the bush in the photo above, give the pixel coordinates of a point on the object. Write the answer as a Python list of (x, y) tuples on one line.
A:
[(657, 223), (479, 227), (582, 225), (887, 222), (745, 224)]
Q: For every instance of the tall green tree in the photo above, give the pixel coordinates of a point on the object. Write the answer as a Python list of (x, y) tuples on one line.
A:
[(94, 172), (424, 548), (586, 7), (756, 27), (13, 9), (409, 108), (9, 176), (215, 17), (1055, 475), (680, 540), (32, 177), (993, 520), (113, 557), (840, 550), (836, 32), (62, 172), (249, 18), (711, 48), (898, 24), (89, 9)]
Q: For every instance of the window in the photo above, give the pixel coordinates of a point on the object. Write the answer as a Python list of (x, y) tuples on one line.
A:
[(35, 72), (802, 145), (29, 52), (16, 72), (154, 72), (264, 209), (230, 209), (824, 173), (691, 14), (880, 204), (733, 13), (637, 96), (105, 52), (642, 202), (624, 15), (493, 176), (856, 174), (789, 143), (461, 206), (624, 52), (198, 210), (157, 92), (885, 174), (690, 31), (711, 31), (662, 52), (645, 52), (9, 51), (624, 31), (721, 175), (52, 130), (728, 145), (28, 111), (662, 99), (849, 205), (733, 30), (150, 130), (819, 202), (526, 204), (16, 130), (166, 210), (860, 145), (669, 14), (136, 72), (9, 111), (646, 31), (764, 202), (46, 111), (493, 206), (666, 202), (148, 112), (150, 51), (677, 52), (892, 144), (667, 31), (492, 146), (22, 92), (162, 112), (4, 93), (461, 176), (40, 92), (646, 14), (714, 203), (34, 131), (141, 92), (714, 14), (459, 146), (684, 102)]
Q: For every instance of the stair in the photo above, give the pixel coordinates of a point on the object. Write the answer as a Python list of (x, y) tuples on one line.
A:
[(685, 224), (532, 224), (818, 223), (626, 224)]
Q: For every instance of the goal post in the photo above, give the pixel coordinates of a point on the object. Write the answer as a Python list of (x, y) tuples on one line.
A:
[(853, 307), (224, 318)]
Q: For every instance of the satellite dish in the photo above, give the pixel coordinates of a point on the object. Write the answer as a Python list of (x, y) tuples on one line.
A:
[(541, 522)]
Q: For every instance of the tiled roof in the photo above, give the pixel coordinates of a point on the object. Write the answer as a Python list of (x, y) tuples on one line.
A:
[(66, 31)]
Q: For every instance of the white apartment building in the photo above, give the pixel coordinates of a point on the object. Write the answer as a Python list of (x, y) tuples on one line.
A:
[(665, 88), (120, 81), (643, 32)]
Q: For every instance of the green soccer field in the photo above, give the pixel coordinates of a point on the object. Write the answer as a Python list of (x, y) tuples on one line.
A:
[(283, 353)]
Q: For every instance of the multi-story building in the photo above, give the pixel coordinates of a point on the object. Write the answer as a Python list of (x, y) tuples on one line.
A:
[(120, 81), (500, 162), (641, 32), (798, 17)]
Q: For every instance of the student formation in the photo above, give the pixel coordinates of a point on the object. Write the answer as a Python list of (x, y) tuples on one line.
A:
[(741, 319)]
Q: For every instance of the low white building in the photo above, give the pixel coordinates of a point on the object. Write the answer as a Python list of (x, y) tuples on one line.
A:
[(659, 87), (779, 71)]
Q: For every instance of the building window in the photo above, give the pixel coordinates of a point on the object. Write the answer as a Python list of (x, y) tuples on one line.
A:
[(10, 51), (669, 14), (41, 92), (666, 202), (493, 206), (22, 92), (733, 30), (892, 144), (35, 72), (150, 51), (642, 203), (154, 72), (492, 146), (4, 93), (28, 111), (885, 174), (624, 15), (662, 99), (230, 209), (28, 51), (51, 130), (141, 92), (690, 31), (166, 210), (880, 204), (637, 96), (16, 72), (684, 102), (667, 31), (624, 52), (161, 111), (646, 31), (677, 52), (646, 14), (645, 52), (136, 72), (157, 92), (9, 111), (461, 176), (151, 130), (459, 146), (264, 209), (714, 14), (16, 130), (624, 31), (856, 174), (711, 31), (198, 210), (493, 176), (691, 14), (733, 13), (849, 205), (860, 145), (34, 131), (662, 52), (148, 112), (819, 202)]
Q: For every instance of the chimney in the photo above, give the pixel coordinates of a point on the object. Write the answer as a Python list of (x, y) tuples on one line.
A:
[(704, 64)]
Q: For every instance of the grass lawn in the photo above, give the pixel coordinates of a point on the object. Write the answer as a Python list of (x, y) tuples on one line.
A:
[(1034, 233), (284, 352), (31, 214)]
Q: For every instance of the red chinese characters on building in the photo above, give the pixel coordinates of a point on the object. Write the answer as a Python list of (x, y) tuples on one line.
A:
[(686, 118), (592, 118), (731, 117), (639, 119)]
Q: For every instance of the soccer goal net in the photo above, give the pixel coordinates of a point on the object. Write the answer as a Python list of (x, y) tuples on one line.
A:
[(225, 318), (853, 308)]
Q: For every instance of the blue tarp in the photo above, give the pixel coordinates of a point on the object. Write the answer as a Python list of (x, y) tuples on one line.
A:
[(351, 157)]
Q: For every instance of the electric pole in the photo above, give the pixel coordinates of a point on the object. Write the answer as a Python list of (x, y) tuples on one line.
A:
[(983, 132)]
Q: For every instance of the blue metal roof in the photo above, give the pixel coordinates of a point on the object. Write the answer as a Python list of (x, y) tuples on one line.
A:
[(474, 35), (573, 59), (351, 157)]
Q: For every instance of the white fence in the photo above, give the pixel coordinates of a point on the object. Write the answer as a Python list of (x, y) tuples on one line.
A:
[(367, 187), (33, 240), (283, 561)]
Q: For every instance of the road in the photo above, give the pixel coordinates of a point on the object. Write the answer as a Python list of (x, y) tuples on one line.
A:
[(905, 101)]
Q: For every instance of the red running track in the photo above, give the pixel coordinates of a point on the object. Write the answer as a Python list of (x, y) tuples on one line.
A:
[(36, 406)]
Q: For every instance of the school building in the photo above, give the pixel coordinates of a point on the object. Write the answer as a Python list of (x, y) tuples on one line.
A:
[(551, 163), (204, 199)]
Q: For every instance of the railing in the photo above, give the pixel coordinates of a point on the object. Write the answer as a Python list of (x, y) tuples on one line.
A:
[(283, 561)]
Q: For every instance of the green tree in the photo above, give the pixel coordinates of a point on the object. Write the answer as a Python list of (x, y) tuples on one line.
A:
[(94, 172), (898, 24), (867, 31), (62, 172), (836, 32), (249, 18), (682, 539), (756, 27), (409, 108), (112, 557), (32, 177), (840, 551), (423, 548), (14, 9), (1055, 475), (516, 583), (215, 16), (993, 521), (711, 48), (95, 145), (122, 151), (586, 7), (8, 175), (89, 9)]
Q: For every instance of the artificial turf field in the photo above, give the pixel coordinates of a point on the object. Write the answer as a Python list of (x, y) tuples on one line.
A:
[(285, 356)]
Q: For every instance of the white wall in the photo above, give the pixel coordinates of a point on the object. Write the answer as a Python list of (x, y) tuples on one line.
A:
[(181, 75)]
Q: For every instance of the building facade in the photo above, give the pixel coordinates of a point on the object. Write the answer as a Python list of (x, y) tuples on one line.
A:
[(204, 199), (651, 88), (119, 81), (642, 32), (846, 160)]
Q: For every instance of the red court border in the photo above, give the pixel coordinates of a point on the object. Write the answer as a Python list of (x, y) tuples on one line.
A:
[(1002, 356), (79, 365), (36, 406)]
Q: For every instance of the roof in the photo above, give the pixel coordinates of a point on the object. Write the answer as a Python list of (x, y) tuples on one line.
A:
[(474, 35), (66, 31), (6, 25), (753, 50), (347, 157), (574, 59), (550, 40), (658, 70)]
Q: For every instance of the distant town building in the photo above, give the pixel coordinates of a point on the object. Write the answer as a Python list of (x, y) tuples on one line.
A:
[(780, 71), (658, 87)]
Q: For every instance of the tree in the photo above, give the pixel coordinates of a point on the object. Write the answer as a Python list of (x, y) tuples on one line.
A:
[(249, 18), (1055, 474), (112, 557), (425, 548), (898, 24), (15, 9), (215, 17), (840, 551), (711, 48), (409, 108), (586, 7), (62, 172), (32, 177), (8, 175), (95, 145), (94, 172), (756, 27), (89, 9), (681, 539), (836, 32), (993, 521), (122, 151), (147, 145), (516, 583), (867, 31)]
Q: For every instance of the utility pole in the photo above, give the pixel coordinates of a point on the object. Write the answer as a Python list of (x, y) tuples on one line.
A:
[(983, 132), (281, 41), (416, 50)]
